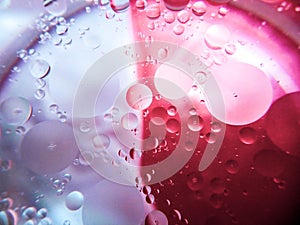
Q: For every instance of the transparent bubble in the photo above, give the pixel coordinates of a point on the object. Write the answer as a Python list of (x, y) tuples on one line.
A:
[(153, 11), (200, 77), (39, 68), (172, 110), (269, 163), (150, 199), (101, 141), (169, 17), (140, 4), (74, 200), (173, 126), (55, 7), (15, 110), (46, 221), (195, 123), (178, 29), (232, 166), (216, 127), (216, 201), (39, 94), (119, 5), (129, 121), (156, 217), (139, 96), (195, 181), (248, 135), (230, 48), (199, 8), (176, 4), (48, 153), (29, 213), (183, 16), (162, 53)]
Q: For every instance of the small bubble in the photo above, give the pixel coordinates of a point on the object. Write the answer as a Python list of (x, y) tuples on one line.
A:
[(199, 8), (248, 135), (169, 17), (74, 200), (183, 16), (42, 213), (216, 127), (110, 14), (119, 5), (61, 29), (39, 68), (162, 53), (232, 166), (230, 48), (210, 138), (173, 126), (223, 11), (101, 141), (39, 94), (29, 213), (67, 222), (40, 83), (129, 121), (200, 77), (172, 110), (53, 108), (178, 29), (195, 123), (63, 118), (216, 201), (140, 4), (153, 11), (195, 181), (150, 198), (156, 217)]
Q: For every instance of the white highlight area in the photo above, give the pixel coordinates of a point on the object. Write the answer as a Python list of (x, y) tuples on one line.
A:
[(246, 91)]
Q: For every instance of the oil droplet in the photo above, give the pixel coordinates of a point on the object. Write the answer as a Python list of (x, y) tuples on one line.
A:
[(176, 5), (39, 68), (178, 29), (232, 166), (34, 148), (173, 126), (216, 36), (248, 135), (195, 181), (61, 29), (156, 217), (29, 213), (119, 5), (169, 17), (217, 185), (268, 163), (74, 200), (42, 213), (139, 96), (230, 48), (150, 199), (195, 123), (216, 201), (223, 11), (101, 141), (162, 53), (15, 110), (216, 127), (183, 16), (172, 110), (109, 14), (140, 4), (39, 94), (199, 8), (129, 121), (40, 83), (153, 11), (200, 77), (55, 7), (210, 138)]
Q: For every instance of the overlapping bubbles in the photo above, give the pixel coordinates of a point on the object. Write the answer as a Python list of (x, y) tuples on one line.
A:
[(130, 107)]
